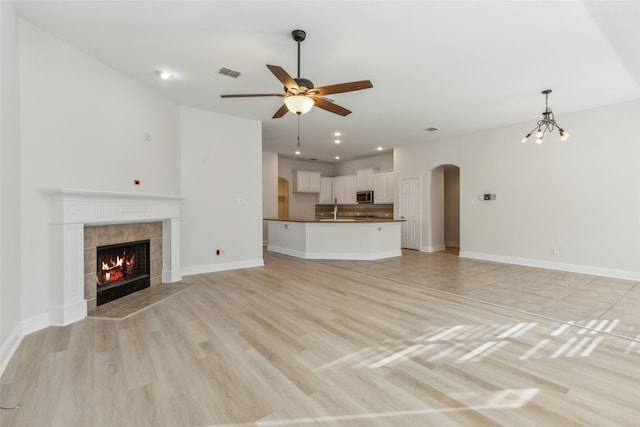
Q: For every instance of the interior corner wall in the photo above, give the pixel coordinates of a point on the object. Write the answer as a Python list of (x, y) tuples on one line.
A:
[(10, 291), (579, 197), (269, 190), (221, 180), (302, 205), (82, 126), (435, 235)]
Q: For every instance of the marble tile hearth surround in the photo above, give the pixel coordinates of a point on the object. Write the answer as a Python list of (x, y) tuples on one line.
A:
[(102, 235)]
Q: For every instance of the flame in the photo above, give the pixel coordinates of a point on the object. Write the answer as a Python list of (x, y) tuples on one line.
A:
[(113, 270)]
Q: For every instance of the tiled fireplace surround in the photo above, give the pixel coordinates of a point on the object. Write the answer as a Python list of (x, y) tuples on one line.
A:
[(81, 220), (102, 235)]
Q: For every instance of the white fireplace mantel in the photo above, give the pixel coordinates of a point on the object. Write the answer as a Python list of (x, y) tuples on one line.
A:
[(72, 209)]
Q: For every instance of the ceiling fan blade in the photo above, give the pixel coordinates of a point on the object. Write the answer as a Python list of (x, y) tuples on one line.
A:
[(341, 88), (281, 112), (330, 106), (283, 76), (251, 95)]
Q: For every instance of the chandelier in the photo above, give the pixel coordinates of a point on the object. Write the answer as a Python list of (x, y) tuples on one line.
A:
[(547, 124)]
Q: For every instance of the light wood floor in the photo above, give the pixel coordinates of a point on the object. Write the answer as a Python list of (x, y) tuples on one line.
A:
[(418, 340)]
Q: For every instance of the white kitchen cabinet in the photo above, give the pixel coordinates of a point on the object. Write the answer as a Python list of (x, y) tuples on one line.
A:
[(350, 189), (307, 182), (344, 189), (326, 191), (364, 179), (384, 185), (338, 189)]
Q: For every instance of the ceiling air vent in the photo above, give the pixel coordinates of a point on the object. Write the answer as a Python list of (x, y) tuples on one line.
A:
[(229, 72)]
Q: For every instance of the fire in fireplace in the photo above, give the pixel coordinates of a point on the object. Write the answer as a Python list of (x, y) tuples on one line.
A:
[(121, 270)]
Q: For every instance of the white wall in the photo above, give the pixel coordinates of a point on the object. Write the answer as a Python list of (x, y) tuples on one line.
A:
[(269, 190), (382, 162), (302, 205), (435, 231), (581, 196), (82, 126), (221, 178), (10, 316)]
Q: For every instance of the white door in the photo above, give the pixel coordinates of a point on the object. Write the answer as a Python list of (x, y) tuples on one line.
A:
[(410, 212)]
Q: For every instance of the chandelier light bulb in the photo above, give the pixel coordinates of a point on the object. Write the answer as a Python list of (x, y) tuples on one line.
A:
[(539, 134), (564, 135), (525, 139), (539, 140)]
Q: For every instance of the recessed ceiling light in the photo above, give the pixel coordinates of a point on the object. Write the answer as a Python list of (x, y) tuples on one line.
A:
[(337, 157), (379, 148), (336, 134), (297, 153), (337, 141), (164, 74)]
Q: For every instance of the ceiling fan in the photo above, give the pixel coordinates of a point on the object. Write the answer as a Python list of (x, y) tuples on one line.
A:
[(300, 95)]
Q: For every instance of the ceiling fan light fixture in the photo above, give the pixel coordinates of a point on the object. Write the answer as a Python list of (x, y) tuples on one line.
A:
[(298, 104)]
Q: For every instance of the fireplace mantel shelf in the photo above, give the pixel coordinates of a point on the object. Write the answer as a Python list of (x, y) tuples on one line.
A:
[(97, 193)]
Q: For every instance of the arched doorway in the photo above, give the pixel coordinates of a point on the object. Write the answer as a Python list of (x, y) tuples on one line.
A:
[(283, 198), (444, 223)]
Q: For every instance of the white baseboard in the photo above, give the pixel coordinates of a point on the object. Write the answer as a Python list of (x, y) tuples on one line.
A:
[(573, 268), (452, 244), (212, 268), (35, 323), (434, 248), (9, 346)]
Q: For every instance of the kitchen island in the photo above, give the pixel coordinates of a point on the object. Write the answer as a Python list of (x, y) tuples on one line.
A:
[(343, 238)]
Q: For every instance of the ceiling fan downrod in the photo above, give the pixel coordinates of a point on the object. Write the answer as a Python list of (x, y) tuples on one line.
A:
[(298, 36)]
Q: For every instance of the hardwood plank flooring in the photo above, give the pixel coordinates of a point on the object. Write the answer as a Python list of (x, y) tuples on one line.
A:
[(422, 339)]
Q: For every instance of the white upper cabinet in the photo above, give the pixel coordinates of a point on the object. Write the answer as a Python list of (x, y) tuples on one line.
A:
[(307, 182), (384, 185), (365, 179), (350, 184), (326, 191), (344, 189)]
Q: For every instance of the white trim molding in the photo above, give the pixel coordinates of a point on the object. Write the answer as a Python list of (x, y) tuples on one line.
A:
[(72, 209), (551, 265)]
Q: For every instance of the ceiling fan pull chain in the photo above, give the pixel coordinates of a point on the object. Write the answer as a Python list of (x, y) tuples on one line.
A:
[(298, 129)]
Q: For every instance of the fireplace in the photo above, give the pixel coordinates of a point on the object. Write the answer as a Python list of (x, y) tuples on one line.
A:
[(122, 269), (76, 216)]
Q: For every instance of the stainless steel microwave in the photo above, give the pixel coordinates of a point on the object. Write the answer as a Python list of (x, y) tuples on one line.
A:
[(364, 196)]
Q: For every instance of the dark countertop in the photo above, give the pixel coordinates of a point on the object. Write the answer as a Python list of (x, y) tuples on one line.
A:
[(343, 219)]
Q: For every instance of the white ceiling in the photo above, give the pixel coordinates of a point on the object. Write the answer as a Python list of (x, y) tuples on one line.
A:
[(461, 66)]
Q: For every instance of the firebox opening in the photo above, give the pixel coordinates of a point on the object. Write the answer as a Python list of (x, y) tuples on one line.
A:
[(121, 270)]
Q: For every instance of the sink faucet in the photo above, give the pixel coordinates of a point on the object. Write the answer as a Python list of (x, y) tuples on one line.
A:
[(335, 209)]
